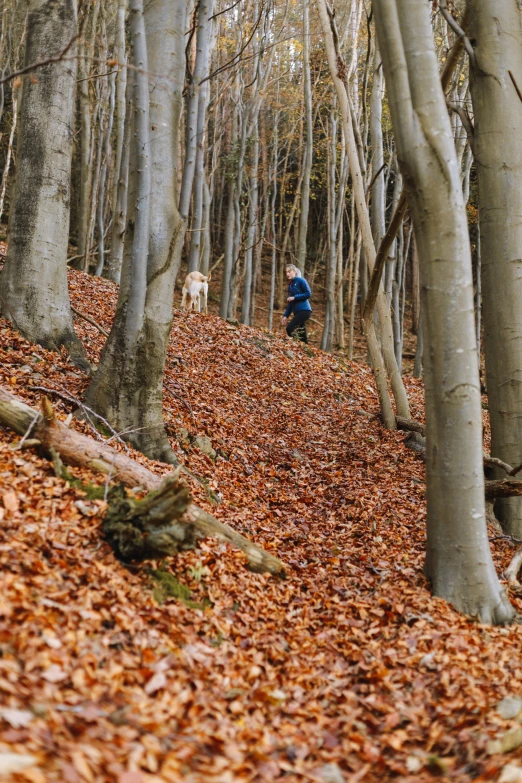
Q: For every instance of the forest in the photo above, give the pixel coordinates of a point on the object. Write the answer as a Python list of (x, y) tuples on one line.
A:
[(260, 391)]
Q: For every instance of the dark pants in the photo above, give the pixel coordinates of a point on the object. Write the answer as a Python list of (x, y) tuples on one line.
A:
[(297, 326)]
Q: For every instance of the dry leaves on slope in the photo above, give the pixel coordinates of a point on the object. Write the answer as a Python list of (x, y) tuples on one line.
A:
[(349, 670)]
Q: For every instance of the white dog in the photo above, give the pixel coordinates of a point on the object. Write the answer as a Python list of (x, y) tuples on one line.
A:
[(195, 285)]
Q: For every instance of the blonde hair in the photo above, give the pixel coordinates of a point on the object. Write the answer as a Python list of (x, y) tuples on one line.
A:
[(295, 269)]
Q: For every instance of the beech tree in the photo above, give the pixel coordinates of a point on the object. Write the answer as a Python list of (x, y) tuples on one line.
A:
[(33, 283), (128, 386), (458, 560), (495, 45)]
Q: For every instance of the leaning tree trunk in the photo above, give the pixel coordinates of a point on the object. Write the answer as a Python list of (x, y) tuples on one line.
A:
[(338, 73), (495, 80), (33, 283), (458, 559), (128, 385)]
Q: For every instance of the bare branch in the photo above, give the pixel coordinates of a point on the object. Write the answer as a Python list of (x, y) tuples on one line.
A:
[(34, 66), (457, 29)]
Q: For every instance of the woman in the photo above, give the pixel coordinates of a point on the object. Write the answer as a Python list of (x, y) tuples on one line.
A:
[(298, 305)]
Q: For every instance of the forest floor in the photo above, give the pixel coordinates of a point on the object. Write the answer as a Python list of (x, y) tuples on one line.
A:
[(346, 671)]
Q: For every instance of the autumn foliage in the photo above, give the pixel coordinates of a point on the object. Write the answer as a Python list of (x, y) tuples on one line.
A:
[(196, 669)]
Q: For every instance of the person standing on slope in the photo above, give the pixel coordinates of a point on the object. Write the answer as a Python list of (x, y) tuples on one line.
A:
[(298, 306)]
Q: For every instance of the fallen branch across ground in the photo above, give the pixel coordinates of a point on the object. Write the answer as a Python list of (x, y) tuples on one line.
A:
[(90, 321), (74, 448)]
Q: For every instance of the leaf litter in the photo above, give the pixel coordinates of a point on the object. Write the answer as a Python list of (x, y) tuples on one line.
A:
[(347, 671)]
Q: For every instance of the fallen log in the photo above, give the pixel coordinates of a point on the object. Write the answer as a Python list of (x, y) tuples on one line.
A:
[(43, 429)]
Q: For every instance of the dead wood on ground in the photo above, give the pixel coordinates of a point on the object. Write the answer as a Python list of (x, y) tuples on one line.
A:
[(167, 496)]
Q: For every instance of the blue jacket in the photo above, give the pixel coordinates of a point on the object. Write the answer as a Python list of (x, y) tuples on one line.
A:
[(299, 289)]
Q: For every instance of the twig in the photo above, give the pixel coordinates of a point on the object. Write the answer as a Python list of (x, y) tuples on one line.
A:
[(457, 29), (97, 76), (69, 398), (515, 85), (185, 403), (90, 320), (34, 66), (220, 259), (280, 251), (506, 537), (375, 178), (30, 427), (465, 120), (516, 470), (498, 463)]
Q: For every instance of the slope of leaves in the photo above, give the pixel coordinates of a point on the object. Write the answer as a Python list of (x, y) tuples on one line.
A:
[(348, 670)]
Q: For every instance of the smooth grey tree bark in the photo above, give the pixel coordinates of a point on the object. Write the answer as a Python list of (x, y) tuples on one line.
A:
[(112, 269), (194, 125), (308, 149), (227, 294), (495, 78), (128, 386), (86, 134), (197, 237), (33, 283), (327, 337), (458, 559), (378, 173)]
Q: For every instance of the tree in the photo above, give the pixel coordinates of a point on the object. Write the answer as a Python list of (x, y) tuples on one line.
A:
[(495, 81), (127, 388), (385, 362), (33, 283), (308, 148), (458, 560)]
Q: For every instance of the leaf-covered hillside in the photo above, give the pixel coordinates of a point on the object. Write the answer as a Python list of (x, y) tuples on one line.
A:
[(346, 671)]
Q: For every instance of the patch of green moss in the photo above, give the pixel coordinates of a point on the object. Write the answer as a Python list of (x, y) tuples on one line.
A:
[(167, 586), (92, 491)]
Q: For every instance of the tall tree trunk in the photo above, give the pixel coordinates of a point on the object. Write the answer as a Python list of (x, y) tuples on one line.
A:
[(496, 32), (197, 230), (415, 286), (308, 149), (128, 385), (230, 219), (274, 159), (327, 337), (378, 173), (122, 122), (458, 560), (86, 138), (33, 282), (252, 229), (194, 127)]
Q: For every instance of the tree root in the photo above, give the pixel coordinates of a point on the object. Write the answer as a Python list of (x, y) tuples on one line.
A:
[(512, 572)]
